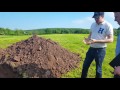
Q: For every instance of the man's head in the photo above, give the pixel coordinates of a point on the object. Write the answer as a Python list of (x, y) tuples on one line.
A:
[(117, 17), (99, 17)]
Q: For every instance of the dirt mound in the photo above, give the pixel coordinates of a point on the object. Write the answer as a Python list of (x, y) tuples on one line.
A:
[(39, 57), (7, 72), (1, 52)]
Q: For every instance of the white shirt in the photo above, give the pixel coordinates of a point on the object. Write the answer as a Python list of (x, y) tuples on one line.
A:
[(100, 32)]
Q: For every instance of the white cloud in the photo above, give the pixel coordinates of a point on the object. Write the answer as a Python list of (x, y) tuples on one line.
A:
[(109, 15), (87, 21), (84, 22)]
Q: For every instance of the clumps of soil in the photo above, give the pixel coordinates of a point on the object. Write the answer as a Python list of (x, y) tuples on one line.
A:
[(37, 57)]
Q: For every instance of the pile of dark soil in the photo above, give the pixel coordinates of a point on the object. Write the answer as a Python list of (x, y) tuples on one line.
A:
[(37, 57)]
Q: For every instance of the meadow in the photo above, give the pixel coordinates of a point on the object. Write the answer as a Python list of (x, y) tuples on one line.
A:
[(73, 43)]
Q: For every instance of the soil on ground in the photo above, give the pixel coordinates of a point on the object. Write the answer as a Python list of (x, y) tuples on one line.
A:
[(36, 57)]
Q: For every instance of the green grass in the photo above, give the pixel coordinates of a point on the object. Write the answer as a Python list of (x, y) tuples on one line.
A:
[(6, 41), (72, 42)]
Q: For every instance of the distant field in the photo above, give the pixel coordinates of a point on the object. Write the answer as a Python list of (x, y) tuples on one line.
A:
[(72, 42)]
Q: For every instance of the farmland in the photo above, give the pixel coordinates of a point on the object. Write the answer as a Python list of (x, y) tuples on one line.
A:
[(73, 43)]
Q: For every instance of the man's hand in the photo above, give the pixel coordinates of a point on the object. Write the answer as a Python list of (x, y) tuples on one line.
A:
[(87, 41), (117, 70), (93, 41)]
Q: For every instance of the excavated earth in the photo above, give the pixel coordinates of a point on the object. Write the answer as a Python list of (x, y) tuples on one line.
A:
[(36, 57)]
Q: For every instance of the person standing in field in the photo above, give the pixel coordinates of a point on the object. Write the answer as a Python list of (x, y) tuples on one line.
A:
[(101, 32), (117, 69)]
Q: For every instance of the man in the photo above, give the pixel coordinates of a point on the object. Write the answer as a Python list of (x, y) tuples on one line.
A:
[(101, 33), (117, 69)]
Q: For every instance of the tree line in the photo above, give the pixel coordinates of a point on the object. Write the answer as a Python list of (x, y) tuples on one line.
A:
[(6, 31)]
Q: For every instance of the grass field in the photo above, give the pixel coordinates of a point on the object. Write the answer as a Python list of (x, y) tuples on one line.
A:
[(72, 42)]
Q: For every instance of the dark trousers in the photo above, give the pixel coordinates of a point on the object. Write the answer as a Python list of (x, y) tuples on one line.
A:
[(116, 76), (94, 53)]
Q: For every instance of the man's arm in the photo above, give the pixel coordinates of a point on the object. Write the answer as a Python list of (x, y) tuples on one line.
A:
[(108, 40), (89, 37)]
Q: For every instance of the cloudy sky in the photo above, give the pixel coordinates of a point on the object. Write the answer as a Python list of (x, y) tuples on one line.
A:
[(36, 20)]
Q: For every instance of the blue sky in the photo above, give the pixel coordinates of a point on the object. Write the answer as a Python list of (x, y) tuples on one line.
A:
[(36, 20)]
